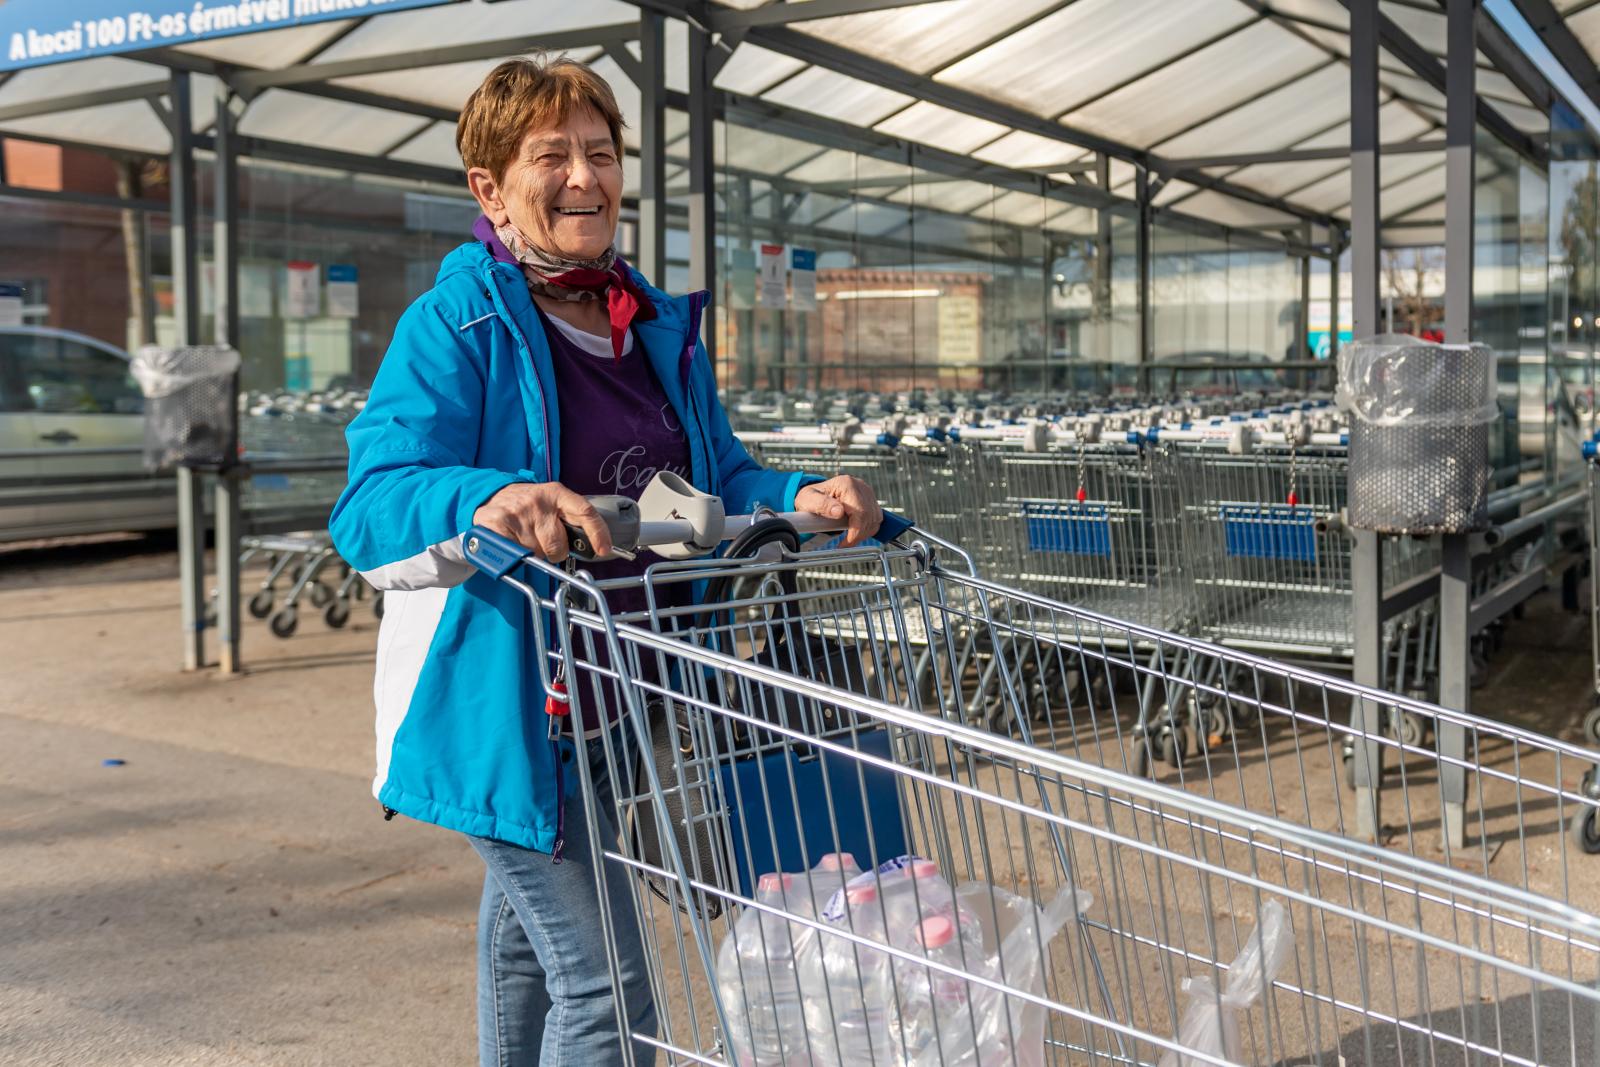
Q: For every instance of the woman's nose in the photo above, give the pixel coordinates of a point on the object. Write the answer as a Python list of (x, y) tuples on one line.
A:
[(580, 175)]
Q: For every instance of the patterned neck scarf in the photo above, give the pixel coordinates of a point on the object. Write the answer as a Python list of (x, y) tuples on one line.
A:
[(575, 279)]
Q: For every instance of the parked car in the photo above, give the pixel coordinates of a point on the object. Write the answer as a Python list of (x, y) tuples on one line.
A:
[(71, 439)]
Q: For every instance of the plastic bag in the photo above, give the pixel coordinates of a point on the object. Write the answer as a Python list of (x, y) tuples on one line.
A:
[(163, 371), (1211, 1023), (1397, 380), (1016, 940)]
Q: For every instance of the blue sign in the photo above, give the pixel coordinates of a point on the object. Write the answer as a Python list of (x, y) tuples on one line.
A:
[(803, 258), (341, 272), (37, 32)]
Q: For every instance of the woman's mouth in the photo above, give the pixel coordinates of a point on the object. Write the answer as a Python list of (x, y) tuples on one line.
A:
[(578, 211)]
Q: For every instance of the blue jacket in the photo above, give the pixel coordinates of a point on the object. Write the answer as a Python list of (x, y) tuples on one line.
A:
[(463, 405)]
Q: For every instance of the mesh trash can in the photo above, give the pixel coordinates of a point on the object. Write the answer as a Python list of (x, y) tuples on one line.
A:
[(1419, 434), (191, 416)]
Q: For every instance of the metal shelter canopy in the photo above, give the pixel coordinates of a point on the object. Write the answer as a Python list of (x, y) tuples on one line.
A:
[(1068, 92)]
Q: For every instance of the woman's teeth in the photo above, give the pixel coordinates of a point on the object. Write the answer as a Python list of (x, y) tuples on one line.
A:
[(577, 211)]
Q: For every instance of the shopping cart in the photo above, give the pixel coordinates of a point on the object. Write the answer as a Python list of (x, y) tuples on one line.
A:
[(783, 720)]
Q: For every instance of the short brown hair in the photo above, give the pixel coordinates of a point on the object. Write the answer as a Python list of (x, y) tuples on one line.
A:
[(521, 94)]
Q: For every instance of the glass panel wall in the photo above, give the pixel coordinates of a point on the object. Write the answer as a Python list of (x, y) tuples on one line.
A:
[(328, 261), (1573, 268)]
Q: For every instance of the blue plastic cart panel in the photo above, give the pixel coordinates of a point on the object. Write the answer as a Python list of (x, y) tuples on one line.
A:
[(1270, 531), (1076, 529), (866, 809)]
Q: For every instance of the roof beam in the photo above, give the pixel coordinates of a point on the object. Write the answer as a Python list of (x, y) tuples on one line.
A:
[(783, 14), (88, 98), (1300, 155), (1557, 36), (1510, 60), (252, 82), (1426, 66)]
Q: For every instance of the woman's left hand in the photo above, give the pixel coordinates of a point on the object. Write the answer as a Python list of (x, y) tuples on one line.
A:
[(845, 498)]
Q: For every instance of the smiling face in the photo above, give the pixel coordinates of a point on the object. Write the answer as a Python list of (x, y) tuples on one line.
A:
[(562, 190)]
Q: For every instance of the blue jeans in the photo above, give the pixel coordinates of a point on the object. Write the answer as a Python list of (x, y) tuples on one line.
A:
[(544, 975)]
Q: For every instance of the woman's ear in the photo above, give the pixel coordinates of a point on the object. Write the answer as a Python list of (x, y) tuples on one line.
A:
[(486, 191)]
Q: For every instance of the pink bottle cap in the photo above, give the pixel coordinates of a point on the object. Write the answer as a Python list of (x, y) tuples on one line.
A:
[(935, 932), (861, 894), (771, 883), (836, 861), (924, 869)]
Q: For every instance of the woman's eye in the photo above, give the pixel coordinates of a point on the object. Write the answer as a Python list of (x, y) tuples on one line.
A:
[(604, 159)]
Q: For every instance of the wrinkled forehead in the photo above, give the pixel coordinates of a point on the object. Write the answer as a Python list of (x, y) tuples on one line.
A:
[(580, 127)]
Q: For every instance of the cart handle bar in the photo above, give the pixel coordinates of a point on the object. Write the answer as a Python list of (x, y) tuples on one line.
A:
[(497, 555)]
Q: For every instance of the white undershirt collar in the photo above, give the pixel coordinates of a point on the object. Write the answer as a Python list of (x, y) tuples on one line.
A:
[(599, 347)]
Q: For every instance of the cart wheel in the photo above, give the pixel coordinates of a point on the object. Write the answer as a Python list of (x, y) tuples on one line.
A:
[(1141, 756), (377, 604), (1215, 720), (1408, 727), (1170, 746), (261, 604), (1347, 756), (1591, 726), (320, 594), (336, 614), (1585, 830), (284, 622)]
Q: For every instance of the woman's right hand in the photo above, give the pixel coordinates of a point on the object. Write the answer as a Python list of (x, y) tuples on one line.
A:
[(534, 516)]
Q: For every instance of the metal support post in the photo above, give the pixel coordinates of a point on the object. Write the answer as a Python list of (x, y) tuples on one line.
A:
[(652, 148), (1100, 298), (1367, 554), (225, 289), (1333, 305), (1143, 234), (1302, 321), (702, 179), (1455, 576), (186, 320)]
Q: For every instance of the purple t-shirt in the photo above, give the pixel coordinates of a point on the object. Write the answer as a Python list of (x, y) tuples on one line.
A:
[(617, 430)]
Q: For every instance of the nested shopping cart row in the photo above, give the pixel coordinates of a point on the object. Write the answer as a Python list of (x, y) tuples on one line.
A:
[(821, 703)]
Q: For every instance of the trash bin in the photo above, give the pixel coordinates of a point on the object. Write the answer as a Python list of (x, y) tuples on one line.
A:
[(1420, 414), (191, 414)]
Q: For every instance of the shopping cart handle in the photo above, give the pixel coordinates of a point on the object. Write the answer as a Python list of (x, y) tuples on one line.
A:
[(492, 554)]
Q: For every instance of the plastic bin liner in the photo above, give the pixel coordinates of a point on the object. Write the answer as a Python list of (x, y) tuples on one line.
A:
[(191, 414), (1419, 434)]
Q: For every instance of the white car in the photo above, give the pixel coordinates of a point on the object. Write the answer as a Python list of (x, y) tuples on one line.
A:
[(71, 439)]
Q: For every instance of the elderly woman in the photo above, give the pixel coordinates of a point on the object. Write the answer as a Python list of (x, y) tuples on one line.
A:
[(538, 369)]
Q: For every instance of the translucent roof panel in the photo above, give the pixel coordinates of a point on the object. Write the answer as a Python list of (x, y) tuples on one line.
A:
[(1333, 194), (1200, 86), (1282, 179), (1027, 210), (1427, 28), (752, 149), (956, 197), (838, 165), (132, 125), (435, 146), (1413, 88), (1029, 151), (752, 69), (941, 127), (1303, 109), (1076, 221), (274, 48), (447, 86), (472, 23), (926, 37), (61, 79), (838, 96), (1415, 192), (1088, 48), (1231, 211), (279, 115), (1331, 12), (1585, 26)]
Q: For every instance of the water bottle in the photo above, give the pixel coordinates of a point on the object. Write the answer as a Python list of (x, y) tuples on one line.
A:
[(940, 1020), (757, 979), (850, 1004)]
